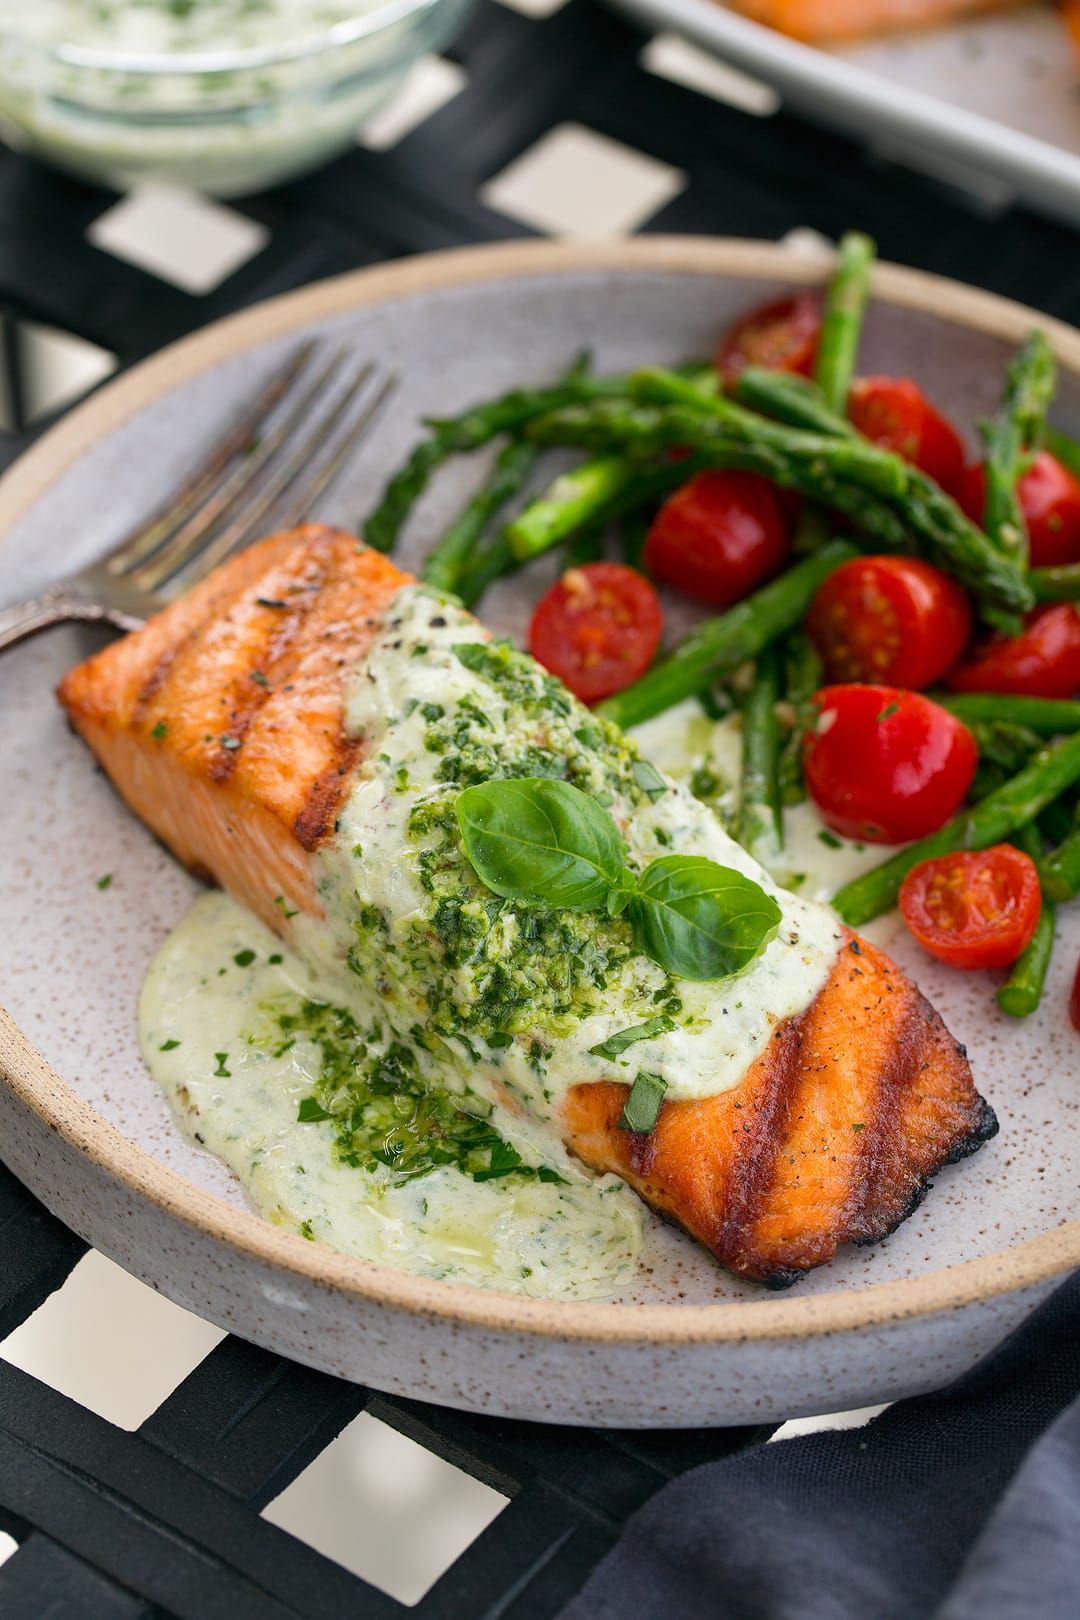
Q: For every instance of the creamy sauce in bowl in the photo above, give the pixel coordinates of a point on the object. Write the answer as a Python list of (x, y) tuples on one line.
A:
[(389, 1083)]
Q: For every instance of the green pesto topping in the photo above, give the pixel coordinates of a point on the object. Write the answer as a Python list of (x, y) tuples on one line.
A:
[(491, 967), (384, 1112)]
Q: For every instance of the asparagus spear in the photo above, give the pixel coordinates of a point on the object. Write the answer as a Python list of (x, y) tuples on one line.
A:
[(587, 546), (793, 400), (845, 305), (599, 489), (1050, 717), (885, 498), (1013, 805), (1060, 870), (487, 564), (1022, 991), (445, 563), (471, 430), (1010, 433), (1065, 449), (802, 677), (719, 645), (761, 824), (1058, 584)]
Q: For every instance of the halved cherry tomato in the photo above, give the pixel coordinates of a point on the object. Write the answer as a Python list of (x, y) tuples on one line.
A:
[(886, 765), (597, 629), (976, 908), (1043, 661), (892, 619), (1050, 501), (895, 413), (782, 334), (718, 536)]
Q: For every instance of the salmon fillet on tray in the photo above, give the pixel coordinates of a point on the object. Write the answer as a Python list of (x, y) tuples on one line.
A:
[(404, 1052)]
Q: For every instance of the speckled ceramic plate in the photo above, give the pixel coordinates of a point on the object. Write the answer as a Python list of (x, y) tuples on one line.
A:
[(83, 1125)]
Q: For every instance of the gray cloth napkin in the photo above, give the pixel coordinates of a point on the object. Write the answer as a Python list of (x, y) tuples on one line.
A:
[(963, 1505)]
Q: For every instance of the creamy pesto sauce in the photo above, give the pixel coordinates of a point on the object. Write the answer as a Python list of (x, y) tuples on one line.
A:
[(721, 1027), (706, 753), (238, 1094), (240, 91), (498, 1006)]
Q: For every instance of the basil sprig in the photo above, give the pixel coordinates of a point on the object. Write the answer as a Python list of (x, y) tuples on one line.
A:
[(543, 840)]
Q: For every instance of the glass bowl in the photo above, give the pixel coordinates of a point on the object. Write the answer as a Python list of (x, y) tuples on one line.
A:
[(225, 95)]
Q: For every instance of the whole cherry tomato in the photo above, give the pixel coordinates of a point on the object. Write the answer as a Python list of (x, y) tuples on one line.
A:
[(895, 413), (886, 765), (718, 536), (597, 629), (1043, 661), (1050, 501), (782, 334), (976, 908), (889, 619)]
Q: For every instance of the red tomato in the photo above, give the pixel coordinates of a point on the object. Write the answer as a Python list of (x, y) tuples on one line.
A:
[(597, 629), (890, 619), (718, 536), (1043, 661), (1050, 501), (782, 335), (886, 765), (977, 908), (1074, 1000), (895, 413)]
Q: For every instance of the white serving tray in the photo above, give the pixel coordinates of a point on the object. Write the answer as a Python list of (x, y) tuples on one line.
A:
[(992, 102)]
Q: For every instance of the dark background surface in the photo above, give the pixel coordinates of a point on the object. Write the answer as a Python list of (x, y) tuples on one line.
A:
[(165, 1521)]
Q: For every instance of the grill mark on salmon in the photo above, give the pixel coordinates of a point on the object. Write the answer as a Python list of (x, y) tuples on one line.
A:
[(749, 1193), (772, 1176), (318, 817)]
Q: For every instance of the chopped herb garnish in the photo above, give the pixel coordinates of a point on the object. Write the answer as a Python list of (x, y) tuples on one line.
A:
[(221, 1070), (276, 958), (504, 1159), (643, 1104), (258, 677), (830, 839), (358, 850), (103, 882), (244, 958), (160, 730), (310, 1110), (500, 1038), (283, 905), (859, 1127), (890, 708), (305, 1231), (616, 1044), (648, 779), (168, 1046), (269, 601), (419, 650)]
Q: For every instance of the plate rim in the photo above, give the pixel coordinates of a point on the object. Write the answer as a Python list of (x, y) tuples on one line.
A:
[(39, 1087)]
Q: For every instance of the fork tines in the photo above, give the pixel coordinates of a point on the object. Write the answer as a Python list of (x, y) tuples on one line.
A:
[(273, 465)]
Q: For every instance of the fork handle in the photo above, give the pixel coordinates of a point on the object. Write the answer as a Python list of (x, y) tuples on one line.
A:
[(54, 607)]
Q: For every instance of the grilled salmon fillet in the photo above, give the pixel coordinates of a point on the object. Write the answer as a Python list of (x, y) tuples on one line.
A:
[(221, 724), (831, 22)]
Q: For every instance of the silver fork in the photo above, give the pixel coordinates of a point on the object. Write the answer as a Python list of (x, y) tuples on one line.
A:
[(276, 458)]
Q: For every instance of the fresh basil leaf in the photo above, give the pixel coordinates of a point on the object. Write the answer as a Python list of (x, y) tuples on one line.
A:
[(648, 779), (541, 839), (643, 1104), (699, 920), (310, 1110), (616, 1044)]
